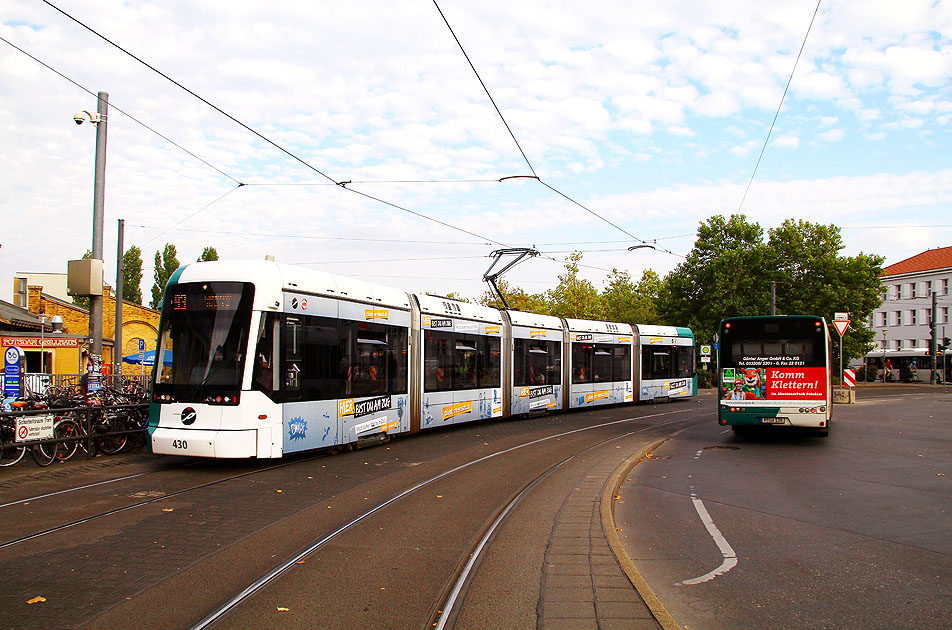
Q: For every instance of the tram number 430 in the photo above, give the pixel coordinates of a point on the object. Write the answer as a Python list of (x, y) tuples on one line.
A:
[(182, 444)]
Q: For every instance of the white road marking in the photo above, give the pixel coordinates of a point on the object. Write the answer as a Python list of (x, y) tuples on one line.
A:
[(730, 558)]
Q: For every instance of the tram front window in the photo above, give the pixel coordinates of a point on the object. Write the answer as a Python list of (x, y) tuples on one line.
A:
[(205, 329)]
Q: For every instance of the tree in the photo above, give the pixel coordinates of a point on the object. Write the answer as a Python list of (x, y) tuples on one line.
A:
[(210, 253), (624, 301), (517, 298), (813, 278), (730, 269), (574, 297), (132, 275), (726, 274), (165, 265)]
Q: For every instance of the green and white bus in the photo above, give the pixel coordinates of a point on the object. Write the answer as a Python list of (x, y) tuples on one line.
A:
[(775, 371)]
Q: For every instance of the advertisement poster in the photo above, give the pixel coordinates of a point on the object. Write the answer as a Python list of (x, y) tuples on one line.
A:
[(755, 384)]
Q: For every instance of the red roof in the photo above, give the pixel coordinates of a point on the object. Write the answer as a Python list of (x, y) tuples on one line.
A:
[(928, 260)]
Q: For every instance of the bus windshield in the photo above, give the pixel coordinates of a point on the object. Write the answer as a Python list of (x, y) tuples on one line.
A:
[(205, 332)]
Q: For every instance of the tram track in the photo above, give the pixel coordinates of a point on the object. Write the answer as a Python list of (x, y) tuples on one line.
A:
[(190, 545), (444, 608), (138, 504)]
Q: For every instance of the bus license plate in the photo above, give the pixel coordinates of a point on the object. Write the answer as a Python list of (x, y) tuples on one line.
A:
[(777, 420)]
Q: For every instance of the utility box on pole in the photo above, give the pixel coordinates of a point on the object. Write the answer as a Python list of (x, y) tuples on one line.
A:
[(84, 277)]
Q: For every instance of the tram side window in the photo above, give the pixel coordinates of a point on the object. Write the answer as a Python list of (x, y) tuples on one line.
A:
[(490, 359), (621, 363), (656, 362), (374, 359), (457, 361), (602, 363), (684, 362), (312, 356), (438, 361), (466, 364), (536, 362), (581, 363), (264, 378)]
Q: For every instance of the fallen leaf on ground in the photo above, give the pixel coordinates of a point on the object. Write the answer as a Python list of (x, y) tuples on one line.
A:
[(36, 600)]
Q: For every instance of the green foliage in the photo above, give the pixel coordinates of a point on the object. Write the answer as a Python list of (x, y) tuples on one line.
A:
[(624, 301), (574, 297), (518, 299), (729, 271), (724, 275), (165, 265), (132, 275), (705, 378), (209, 253)]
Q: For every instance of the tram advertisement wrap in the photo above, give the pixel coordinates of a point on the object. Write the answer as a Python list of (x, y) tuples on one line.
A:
[(773, 383)]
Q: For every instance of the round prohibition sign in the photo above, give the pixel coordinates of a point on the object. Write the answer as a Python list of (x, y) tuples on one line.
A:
[(22, 432)]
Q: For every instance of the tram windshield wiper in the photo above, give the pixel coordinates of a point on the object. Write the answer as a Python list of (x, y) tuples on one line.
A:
[(235, 358)]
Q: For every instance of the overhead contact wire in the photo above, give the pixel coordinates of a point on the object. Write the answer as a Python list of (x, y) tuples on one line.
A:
[(513, 135), (121, 111), (485, 89), (776, 115), (342, 184)]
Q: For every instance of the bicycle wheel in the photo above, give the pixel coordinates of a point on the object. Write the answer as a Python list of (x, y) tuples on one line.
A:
[(111, 444), (10, 454), (44, 454), (66, 428)]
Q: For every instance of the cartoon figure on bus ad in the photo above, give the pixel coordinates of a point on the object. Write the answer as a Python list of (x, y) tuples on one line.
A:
[(755, 383)]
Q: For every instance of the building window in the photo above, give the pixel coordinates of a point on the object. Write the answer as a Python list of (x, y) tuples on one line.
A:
[(912, 343), (898, 344), (945, 314), (898, 318), (883, 318), (945, 286), (928, 287), (898, 291), (913, 319), (912, 289)]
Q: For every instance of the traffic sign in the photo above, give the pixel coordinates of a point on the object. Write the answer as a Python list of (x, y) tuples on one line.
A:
[(705, 350), (849, 377), (841, 325)]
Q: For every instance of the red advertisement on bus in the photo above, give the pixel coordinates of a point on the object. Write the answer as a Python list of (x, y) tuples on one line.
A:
[(797, 383)]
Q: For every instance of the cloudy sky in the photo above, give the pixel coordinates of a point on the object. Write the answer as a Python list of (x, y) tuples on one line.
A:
[(651, 115)]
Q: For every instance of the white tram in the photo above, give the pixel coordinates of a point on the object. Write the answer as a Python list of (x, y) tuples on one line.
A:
[(269, 359)]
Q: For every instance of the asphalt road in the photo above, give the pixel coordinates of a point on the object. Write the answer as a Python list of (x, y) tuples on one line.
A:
[(181, 537), (849, 531)]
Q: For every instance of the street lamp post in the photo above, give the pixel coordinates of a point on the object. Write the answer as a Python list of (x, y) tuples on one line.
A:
[(99, 186), (42, 317), (884, 355)]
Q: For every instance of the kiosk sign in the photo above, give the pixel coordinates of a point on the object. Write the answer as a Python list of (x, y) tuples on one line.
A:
[(12, 370)]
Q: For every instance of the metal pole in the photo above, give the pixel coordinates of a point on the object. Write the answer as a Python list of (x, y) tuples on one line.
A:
[(95, 301), (773, 298), (884, 356), (932, 341), (117, 344), (42, 344)]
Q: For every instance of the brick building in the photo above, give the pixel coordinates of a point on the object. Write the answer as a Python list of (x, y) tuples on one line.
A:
[(65, 351)]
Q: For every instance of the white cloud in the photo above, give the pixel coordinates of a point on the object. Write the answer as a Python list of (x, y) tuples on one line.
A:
[(599, 101), (787, 141), (833, 135)]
